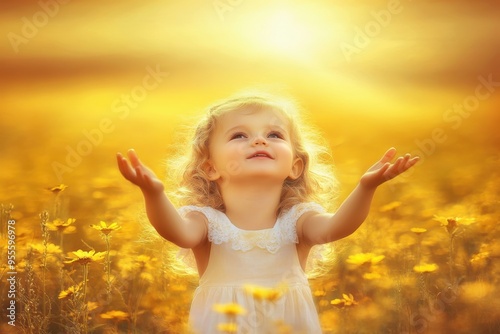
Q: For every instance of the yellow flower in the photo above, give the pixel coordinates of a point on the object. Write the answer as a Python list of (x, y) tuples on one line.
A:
[(480, 256), (319, 293), (57, 189), (138, 264), (262, 293), (452, 223), (62, 226), (70, 292), (465, 221), (425, 268), (146, 277), (363, 258), (117, 315), (230, 309), (144, 259), (323, 303), (106, 229), (370, 276), (390, 206), (92, 306), (475, 292), (347, 300), (338, 302), (228, 327), (51, 248), (418, 230), (480, 259), (83, 257)]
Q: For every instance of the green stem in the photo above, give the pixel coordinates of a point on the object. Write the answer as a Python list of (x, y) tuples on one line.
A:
[(61, 240), (44, 217), (108, 268), (84, 300), (451, 260)]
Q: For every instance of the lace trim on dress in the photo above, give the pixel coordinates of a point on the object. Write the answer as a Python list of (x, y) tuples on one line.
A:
[(221, 230)]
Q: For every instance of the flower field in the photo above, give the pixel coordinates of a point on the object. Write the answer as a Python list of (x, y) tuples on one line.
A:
[(83, 80), (425, 261)]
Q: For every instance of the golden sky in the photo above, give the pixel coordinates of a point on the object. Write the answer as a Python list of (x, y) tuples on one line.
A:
[(363, 70)]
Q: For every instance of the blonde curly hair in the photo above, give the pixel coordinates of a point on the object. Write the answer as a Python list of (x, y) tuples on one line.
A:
[(190, 184), (316, 183)]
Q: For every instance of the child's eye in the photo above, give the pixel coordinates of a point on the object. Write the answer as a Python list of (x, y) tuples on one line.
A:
[(275, 134), (238, 135)]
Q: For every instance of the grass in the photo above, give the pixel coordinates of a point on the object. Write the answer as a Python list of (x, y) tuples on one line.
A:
[(425, 261)]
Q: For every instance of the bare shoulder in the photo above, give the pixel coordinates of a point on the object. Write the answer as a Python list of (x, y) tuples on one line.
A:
[(311, 227), (196, 229), (196, 217)]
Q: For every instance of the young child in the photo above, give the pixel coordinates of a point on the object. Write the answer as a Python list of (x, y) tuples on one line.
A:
[(251, 223)]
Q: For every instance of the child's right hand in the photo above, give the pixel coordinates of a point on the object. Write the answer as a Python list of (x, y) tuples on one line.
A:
[(138, 173)]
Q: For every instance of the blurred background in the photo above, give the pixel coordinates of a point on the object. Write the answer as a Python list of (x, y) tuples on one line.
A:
[(82, 80), (370, 75)]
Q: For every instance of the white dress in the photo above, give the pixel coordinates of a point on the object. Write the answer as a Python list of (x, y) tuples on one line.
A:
[(265, 258)]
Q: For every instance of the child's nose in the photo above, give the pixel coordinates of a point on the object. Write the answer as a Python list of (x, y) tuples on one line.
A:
[(259, 140)]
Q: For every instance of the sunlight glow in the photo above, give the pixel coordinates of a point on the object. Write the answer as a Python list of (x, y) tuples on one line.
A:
[(286, 34), (298, 33)]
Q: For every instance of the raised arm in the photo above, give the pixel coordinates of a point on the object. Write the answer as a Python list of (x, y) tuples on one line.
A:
[(186, 233), (322, 228)]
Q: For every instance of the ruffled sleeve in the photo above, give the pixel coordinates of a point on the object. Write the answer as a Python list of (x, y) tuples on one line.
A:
[(299, 209), (219, 228), (206, 210), (288, 219), (186, 255)]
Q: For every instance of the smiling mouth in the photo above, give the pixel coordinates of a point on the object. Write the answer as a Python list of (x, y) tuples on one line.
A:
[(260, 155)]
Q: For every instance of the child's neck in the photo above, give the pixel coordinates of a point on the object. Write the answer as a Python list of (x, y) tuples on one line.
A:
[(253, 206)]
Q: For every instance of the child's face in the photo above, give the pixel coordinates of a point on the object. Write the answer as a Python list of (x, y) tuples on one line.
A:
[(250, 144)]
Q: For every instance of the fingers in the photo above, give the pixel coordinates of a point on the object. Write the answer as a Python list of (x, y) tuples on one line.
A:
[(401, 165), (134, 159), (132, 171), (403, 162), (408, 162), (388, 155), (384, 168), (394, 169), (124, 167), (143, 179), (391, 153), (139, 175), (414, 160)]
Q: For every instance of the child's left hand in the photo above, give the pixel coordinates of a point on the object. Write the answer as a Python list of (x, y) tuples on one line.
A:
[(383, 170)]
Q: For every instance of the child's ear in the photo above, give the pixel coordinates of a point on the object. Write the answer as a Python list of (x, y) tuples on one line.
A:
[(210, 170), (297, 169)]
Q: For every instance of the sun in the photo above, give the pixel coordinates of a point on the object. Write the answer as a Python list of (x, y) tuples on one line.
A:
[(281, 32), (301, 33), (287, 34)]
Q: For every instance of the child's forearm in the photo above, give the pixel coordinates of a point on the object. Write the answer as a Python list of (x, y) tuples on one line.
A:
[(166, 220), (353, 212)]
